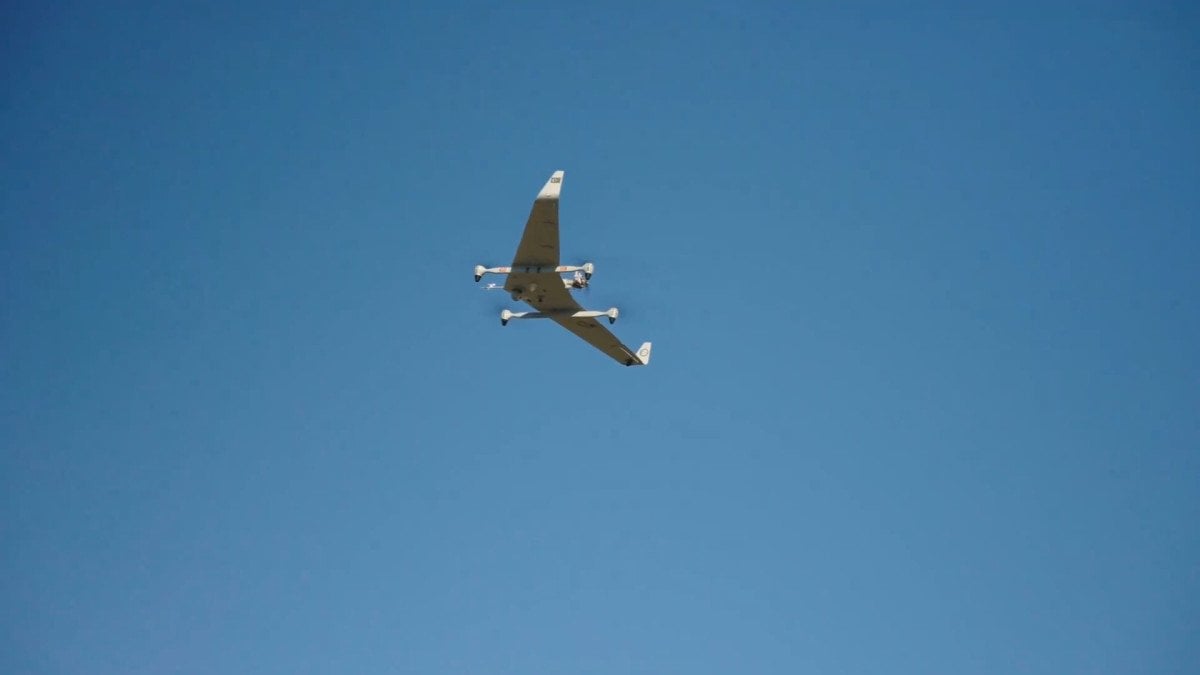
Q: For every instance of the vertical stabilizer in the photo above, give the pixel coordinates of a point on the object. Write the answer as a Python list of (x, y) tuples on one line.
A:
[(643, 353), (552, 188)]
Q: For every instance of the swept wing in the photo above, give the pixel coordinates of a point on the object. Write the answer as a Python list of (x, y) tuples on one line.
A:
[(533, 277)]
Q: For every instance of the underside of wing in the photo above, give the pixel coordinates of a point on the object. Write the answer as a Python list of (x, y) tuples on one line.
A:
[(551, 298), (545, 292), (599, 337), (539, 243), (533, 278)]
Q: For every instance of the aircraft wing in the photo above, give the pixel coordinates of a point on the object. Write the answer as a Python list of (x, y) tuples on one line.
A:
[(601, 338), (544, 289), (539, 243), (557, 303)]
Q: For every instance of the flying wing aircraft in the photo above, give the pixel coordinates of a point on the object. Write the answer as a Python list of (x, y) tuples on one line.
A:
[(535, 278)]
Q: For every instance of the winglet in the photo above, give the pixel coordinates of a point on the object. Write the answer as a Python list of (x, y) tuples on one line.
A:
[(643, 353), (552, 188)]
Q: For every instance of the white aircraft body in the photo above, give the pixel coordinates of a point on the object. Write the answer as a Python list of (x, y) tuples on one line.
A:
[(534, 278)]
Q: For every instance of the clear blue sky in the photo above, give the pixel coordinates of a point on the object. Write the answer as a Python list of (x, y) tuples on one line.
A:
[(922, 285)]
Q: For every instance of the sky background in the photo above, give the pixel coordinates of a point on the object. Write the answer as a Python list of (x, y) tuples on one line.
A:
[(922, 285)]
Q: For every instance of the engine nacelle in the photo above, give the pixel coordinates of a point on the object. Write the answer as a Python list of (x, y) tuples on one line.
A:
[(506, 316), (612, 313), (480, 270), (587, 269)]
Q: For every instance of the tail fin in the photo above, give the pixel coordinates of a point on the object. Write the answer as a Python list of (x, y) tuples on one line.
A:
[(643, 353), (552, 187)]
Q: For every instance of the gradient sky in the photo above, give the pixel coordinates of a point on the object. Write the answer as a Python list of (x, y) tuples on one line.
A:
[(922, 285)]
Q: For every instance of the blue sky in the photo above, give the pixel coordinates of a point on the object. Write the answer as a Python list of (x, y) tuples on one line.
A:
[(921, 283)]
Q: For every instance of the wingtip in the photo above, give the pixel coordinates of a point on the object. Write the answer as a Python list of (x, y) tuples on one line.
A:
[(643, 353), (553, 187)]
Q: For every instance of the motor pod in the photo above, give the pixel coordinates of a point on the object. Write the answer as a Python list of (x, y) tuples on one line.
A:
[(479, 270), (505, 315), (613, 313)]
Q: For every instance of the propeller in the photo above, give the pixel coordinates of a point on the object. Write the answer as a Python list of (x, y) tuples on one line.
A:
[(582, 282)]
